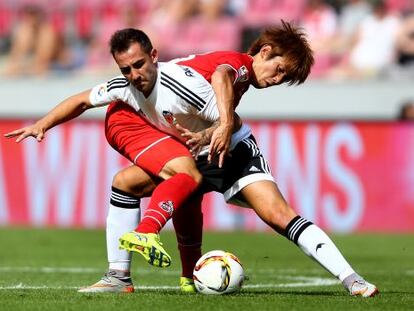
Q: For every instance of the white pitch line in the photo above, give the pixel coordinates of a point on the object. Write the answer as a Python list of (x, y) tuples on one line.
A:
[(311, 282), (280, 272), (22, 286), (75, 270), (50, 269)]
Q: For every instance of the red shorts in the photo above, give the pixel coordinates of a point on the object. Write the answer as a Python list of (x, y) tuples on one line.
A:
[(139, 141)]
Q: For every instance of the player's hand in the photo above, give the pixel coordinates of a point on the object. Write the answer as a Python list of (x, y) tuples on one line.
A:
[(195, 141), (32, 130), (220, 143)]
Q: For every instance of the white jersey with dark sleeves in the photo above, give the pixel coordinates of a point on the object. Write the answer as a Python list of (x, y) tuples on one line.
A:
[(180, 95)]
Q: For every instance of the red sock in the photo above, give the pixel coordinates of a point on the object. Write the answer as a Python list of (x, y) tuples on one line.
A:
[(189, 254), (188, 225), (166, 198)]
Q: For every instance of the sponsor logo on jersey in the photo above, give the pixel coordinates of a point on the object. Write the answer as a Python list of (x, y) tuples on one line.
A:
[(243, 74), (102, 90), (169, 117), (167, 206)]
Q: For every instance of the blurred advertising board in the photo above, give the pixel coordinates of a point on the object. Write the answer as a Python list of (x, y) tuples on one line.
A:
[(345, 177)]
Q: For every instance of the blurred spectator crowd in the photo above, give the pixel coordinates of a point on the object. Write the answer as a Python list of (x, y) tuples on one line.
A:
[(352, 39)]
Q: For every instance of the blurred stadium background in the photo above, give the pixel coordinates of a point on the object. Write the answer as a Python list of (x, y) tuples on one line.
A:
[(339, 146)]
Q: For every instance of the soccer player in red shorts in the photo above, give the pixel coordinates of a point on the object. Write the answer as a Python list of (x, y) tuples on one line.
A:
[(267, 64), (126, 131), (233, 72), (164, 94)]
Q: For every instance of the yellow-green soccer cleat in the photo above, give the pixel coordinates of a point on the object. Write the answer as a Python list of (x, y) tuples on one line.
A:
[(187, 285), (148, 245)]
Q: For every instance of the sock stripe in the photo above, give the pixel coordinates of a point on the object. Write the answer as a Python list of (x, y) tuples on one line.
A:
[(292, 225), (123, 193), (122, 199), (158, 212), (295, 228), (148, 216), (124, 204)]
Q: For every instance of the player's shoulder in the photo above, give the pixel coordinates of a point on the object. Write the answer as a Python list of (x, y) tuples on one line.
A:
[(171, 68), (176, 71), (229, 56), (117, 83)]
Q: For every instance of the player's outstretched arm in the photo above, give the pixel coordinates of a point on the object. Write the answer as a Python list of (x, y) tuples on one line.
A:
[(68, 109), (222, 83)]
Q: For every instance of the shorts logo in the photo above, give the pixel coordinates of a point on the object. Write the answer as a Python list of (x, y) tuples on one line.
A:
[(167, 206), (243, 74), (101, 90), (169, 117)]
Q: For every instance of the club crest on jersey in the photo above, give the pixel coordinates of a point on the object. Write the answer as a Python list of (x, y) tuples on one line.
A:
[(167, 206), (102, 90), (243, 74), (188, 72), (169, 117)]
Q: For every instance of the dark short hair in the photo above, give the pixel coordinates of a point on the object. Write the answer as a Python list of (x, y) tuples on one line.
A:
[(122, 39), (291, 43)]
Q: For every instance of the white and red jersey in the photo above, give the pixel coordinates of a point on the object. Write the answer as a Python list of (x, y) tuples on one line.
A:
[(177, 97), (206, 65), (180, 95)]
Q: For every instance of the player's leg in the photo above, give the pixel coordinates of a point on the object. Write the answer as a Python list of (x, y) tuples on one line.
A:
[(181, 179), (251, 181), (166, 199), (267, 201), (159, 155), (128, 186), (188, 225)]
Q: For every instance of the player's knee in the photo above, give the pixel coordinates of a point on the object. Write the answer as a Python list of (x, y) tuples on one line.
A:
[(279, 216), (129, 181), (183, 165), (119, 181)]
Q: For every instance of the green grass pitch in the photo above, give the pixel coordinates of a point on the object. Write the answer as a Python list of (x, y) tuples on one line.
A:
[(40, 269)]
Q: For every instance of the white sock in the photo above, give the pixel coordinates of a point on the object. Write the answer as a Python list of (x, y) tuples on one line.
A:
[(123, 216), (316, 244)]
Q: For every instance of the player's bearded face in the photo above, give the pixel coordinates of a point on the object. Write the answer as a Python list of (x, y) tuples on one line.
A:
[(138, 67), (268, 70)]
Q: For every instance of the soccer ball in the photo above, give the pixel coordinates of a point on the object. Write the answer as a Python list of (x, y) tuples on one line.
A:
[(218, 272)]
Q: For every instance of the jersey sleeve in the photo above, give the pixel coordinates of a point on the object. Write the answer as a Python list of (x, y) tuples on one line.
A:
[(112, 90)]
